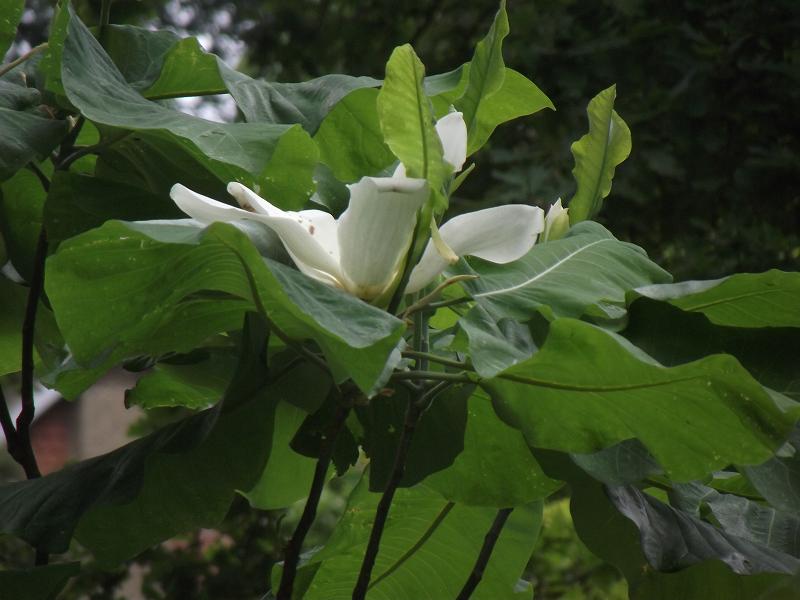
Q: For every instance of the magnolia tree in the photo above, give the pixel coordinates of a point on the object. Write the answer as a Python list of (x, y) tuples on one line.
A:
[(295, 282)]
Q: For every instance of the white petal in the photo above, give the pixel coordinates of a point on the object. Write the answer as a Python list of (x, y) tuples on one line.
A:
[(376, 229), (203, 208), (307, 235), (499, 234), (453, 132)]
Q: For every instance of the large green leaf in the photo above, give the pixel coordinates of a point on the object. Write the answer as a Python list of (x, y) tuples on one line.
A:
[(176, 479), (496, 467), (305, 103), (674, 336), (597, 154), (154, 288), (406, 118), (77, 203), (587, 389), (350, 139), (770, 299), (11, 11), (587, 267), (276, 160), (38, 583), (428, 549)]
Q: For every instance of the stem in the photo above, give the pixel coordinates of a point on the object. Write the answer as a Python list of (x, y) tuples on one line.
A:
[(413, 413), (436, 358), (295, 544), (18, 61), (451, 302), (486, 552), (431, 376)]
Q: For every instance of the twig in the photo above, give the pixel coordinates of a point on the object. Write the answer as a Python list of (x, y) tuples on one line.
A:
[(93, 149), (427, 301), (413, 413), (295, 544), (18, 61), (451, 302), (486, 552)]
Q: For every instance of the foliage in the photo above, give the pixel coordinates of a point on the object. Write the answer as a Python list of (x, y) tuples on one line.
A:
[(453, 414)]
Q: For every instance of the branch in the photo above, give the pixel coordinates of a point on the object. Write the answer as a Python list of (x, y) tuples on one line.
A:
[(486, 552), (413, 413), (431, 376), (18, 61), (26, 457), (93, 149), (436, 358), (295, 544)]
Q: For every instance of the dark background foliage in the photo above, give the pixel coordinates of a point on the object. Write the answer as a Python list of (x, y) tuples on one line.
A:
[(710, 90)]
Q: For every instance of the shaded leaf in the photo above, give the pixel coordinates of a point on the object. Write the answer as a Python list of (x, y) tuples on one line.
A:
[(586, 267), (38, 583), (495, 345), (11, 11)]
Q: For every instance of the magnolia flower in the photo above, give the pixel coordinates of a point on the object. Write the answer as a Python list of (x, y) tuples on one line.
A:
[(363, 251), (556, 223)]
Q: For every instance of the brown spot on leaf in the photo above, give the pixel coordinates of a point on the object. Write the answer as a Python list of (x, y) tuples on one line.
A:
[(311, 229)]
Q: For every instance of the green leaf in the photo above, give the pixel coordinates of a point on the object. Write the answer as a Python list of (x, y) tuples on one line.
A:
[(275, 160), (674, 336), (26, 131), (517, 97), (187, 70), (406, 118), (495, 345), (496, 467), (13, 298), (770, 299), (350, 139), (621, 464), (195, 386), (164, 287), (305, 103), (139, 53), (597, 154), (21, 205), (586, 267), (77, 203), (176, 479), (38, 583), (486, 75), (673, 539), (593, 390), (613, 537), (438, 438), (288, 474), (745, 519), (11, 11), (778, 479), (428, 549)]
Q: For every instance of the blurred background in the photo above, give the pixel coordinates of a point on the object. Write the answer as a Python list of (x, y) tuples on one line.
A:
[(709, 88)]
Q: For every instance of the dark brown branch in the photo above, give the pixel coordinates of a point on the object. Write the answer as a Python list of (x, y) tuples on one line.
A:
[(24, 449), (295, 544), (485, 554), (413, 413)]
